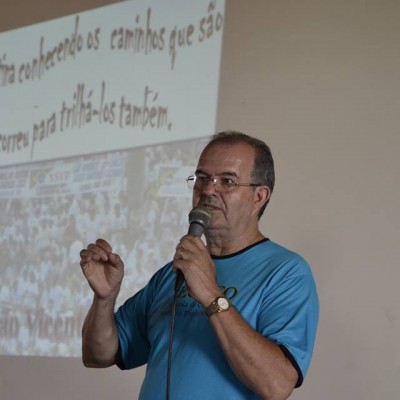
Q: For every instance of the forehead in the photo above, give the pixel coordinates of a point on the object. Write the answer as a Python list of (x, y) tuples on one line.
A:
[(220, 158)]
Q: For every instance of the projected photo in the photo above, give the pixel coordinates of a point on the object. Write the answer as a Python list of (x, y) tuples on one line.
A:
[(138, 200)]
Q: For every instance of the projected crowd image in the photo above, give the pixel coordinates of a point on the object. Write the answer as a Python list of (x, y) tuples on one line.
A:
[(137, 200)]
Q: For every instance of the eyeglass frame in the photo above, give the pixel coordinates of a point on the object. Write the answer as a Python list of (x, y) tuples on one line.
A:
[(191, 180)]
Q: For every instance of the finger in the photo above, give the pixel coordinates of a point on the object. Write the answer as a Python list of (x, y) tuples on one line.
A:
[(177, 265), (176, 257), (191, 242), (97, 252), (86, 255), (104, 245), (83, 263), (116, 261), (179, 252)]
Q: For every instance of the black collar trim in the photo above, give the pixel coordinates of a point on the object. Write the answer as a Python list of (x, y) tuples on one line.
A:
[(240, 251)]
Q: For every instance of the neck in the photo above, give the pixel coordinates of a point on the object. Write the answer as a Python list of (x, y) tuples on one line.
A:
[(223, 247)]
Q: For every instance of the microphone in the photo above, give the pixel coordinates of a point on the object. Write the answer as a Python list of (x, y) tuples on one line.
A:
[(199, 219)]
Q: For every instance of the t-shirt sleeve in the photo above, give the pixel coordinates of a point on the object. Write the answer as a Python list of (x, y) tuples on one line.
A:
[(131, 321), (289, 313)]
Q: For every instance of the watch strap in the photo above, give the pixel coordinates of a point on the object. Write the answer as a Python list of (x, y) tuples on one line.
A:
[(215, 308)]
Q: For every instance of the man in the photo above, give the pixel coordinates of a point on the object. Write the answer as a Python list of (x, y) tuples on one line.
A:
[(248, 311)]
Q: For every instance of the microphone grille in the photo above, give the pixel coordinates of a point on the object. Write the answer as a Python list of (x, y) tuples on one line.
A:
[(200, 215)]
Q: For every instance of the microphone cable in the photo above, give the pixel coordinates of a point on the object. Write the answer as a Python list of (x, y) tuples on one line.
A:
[(178, 283), (199, 219)]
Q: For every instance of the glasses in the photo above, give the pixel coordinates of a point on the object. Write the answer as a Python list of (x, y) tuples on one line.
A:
[(199, 182)]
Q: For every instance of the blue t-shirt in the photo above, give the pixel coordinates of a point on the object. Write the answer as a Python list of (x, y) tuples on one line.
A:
[(271, 287)]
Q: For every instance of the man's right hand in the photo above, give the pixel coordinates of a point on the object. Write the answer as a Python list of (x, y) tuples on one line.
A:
[(102, 268)]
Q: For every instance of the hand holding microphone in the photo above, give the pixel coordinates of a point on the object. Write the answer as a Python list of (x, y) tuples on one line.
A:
[(199, 219)]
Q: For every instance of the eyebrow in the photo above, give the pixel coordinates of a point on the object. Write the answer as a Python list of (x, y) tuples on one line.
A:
[(227, 173)]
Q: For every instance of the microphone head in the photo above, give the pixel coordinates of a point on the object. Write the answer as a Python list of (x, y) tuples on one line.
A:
[(200, 215)]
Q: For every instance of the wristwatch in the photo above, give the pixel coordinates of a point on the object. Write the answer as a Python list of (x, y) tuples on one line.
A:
[(220, 304)]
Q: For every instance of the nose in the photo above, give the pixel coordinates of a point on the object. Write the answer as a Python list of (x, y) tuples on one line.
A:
[(210, 185)]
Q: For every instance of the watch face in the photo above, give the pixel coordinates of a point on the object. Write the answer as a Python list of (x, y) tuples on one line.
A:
[(223, 303)]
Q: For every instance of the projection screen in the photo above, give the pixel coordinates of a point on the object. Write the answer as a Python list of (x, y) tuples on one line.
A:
[(102, 117)]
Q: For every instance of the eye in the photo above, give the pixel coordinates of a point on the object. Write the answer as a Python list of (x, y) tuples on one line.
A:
[(228, 182), (201, 179)]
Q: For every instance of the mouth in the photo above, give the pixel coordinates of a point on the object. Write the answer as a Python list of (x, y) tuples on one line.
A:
[(210, 207), (210, 203)]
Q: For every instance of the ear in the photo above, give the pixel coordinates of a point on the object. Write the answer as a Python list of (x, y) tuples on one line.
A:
[(261, 196)]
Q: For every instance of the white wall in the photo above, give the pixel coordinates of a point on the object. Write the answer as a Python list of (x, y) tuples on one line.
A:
[(319, 81)]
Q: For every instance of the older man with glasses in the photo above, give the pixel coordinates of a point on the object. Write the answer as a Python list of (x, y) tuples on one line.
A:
[(248, 311)]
